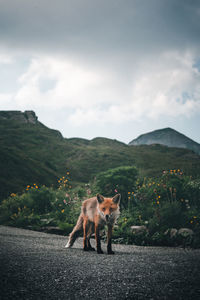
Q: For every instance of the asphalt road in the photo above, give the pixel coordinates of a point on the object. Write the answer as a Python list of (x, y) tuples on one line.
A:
[(35, 265)]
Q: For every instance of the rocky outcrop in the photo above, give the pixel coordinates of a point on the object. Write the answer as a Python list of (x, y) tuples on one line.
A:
[(28, 116)]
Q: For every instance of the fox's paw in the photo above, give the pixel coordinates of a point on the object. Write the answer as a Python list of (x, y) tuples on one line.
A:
[(111, 252), (91, 249), (68, 245), (99, 251)]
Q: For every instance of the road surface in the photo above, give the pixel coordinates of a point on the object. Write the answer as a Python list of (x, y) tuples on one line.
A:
[(35, 265)]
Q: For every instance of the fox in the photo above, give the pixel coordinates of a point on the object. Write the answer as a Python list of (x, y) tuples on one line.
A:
[(95, 213)]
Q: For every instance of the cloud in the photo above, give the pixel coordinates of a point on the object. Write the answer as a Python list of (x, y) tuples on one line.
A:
[(5, 58), (95, 62), (166, 86)]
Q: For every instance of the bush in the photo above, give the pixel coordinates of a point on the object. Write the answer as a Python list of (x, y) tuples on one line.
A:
[(41, 199), (117, 180)]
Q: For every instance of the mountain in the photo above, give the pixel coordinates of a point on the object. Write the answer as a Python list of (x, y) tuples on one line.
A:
[(32, 153), (168, 137)]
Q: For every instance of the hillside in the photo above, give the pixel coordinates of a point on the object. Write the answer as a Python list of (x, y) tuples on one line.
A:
[(32, 153), (168, 137)]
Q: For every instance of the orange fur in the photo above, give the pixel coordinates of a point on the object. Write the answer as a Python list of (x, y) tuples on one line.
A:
[(96, 212)]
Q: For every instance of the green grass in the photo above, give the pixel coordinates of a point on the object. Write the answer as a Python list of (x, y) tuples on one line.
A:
[(33, 153)]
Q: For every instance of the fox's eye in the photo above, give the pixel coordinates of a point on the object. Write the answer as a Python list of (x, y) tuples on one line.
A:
[(103, 209)]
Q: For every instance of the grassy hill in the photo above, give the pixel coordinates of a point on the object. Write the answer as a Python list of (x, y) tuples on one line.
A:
[(32, 153)]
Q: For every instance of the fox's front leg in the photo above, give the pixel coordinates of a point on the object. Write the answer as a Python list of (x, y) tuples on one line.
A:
[(109, 241), (89, 233), (98, 241)]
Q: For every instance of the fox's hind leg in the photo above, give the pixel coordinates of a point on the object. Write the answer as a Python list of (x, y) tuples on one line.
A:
[(75, 232), (87, 232)]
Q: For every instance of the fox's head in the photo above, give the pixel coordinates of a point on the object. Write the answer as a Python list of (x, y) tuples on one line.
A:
[(108, 207)]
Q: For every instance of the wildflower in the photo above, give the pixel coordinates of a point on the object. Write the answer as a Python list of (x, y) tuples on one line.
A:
[(65, 201), (129, 193), (62, 211), (158, 202)]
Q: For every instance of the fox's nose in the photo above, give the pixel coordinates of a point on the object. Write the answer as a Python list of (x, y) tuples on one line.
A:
[(107, 217)]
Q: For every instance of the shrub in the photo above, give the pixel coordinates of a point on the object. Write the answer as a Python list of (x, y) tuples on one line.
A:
[(117, 180), (41, 199)]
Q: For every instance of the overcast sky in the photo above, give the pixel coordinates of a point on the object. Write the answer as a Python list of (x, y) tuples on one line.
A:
[(112, 68)]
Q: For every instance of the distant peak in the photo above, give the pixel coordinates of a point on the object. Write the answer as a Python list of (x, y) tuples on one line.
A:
[(168, 137)]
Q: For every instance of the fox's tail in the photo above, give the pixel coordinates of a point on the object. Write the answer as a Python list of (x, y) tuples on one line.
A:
[(75, 232)]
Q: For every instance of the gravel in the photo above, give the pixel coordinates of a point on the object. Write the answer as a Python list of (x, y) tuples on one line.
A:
[(35, 265)]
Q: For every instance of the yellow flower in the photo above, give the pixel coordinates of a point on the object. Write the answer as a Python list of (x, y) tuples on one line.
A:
[(62, 211), (129, 193), (158, 202)]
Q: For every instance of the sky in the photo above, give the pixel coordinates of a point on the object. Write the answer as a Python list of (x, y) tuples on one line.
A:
[(109, 68)]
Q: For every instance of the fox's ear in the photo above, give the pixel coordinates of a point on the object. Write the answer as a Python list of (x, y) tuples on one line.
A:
[(100, 198), (116, 198)]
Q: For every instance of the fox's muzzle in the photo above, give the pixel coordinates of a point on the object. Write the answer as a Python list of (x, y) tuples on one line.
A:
[(107, 217)]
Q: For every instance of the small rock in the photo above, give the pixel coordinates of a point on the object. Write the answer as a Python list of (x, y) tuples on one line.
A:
[(138, 229), (172, 232), (185, 232)]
